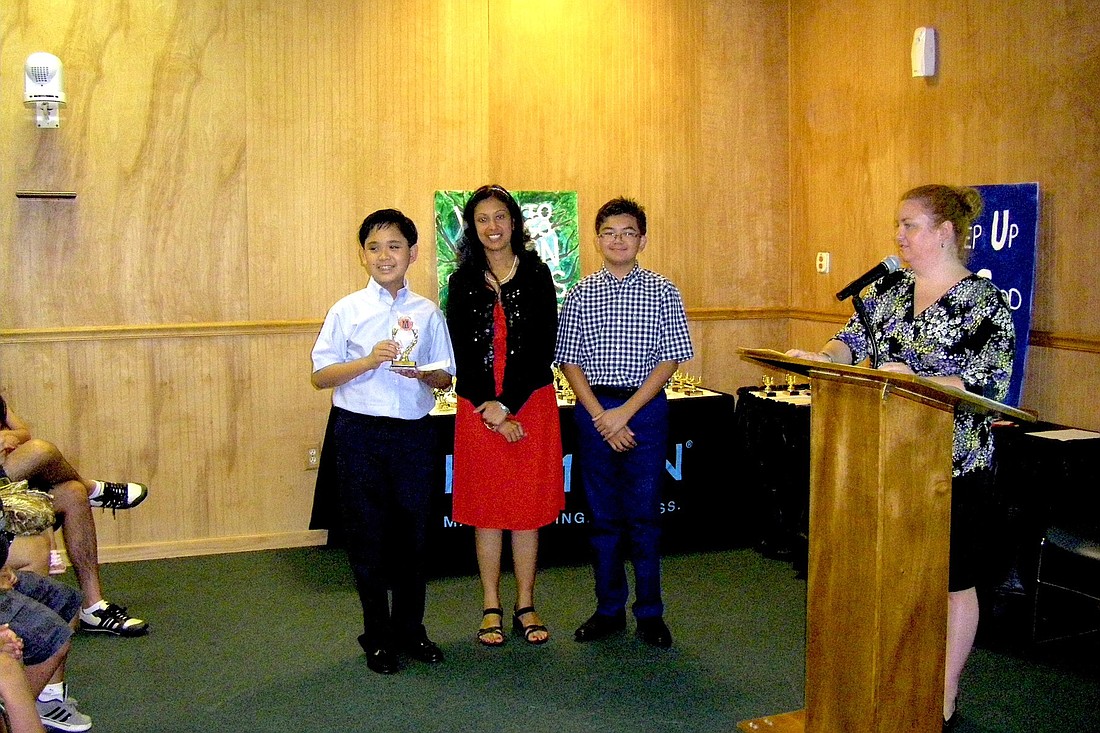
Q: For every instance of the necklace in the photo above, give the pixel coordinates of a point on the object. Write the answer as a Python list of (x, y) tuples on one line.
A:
[(500, 281)]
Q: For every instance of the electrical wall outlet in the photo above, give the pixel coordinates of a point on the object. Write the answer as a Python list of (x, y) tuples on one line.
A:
[(313, 456), (822, 262)]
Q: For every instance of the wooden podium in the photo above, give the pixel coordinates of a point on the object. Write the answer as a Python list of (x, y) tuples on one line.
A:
[(880, 510)]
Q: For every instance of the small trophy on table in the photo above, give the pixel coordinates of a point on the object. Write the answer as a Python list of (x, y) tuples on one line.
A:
[(676, 381), (406, 336)]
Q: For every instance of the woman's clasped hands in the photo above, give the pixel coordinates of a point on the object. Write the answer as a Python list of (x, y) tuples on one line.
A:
[(497, 418)]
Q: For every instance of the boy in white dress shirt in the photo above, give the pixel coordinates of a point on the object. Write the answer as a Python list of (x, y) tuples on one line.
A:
[(383, 436)]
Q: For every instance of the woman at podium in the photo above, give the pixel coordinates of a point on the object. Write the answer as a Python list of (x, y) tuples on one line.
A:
[(937, 319)]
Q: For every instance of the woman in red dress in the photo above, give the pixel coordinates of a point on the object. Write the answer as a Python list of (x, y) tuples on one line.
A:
[(502, 315)]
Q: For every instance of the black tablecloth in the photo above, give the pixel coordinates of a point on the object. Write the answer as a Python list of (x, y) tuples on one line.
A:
[(1038, 483), (773, 456), (1041, 482), (702, 503)]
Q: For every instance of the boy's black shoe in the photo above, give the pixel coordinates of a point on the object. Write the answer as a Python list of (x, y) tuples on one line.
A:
[(600, 626)]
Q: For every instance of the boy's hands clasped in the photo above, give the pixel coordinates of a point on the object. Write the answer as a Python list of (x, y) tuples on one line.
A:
[(613, 426)]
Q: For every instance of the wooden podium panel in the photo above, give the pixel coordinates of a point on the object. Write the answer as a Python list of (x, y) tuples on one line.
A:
[(876, 606), (880, 518)]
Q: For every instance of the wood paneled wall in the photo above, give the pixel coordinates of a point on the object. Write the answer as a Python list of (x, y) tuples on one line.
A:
[(1014, 100), (158, 326)]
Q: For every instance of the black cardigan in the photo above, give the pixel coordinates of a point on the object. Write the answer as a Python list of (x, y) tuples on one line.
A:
[(531, 312)]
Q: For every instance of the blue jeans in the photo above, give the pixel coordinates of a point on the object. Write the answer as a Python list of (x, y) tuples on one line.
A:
[(624, 496)]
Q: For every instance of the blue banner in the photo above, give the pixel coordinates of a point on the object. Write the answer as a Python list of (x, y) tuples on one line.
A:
[(1004, 241)]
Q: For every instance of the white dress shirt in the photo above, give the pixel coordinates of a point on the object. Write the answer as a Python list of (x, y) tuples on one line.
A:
[(359, 321)]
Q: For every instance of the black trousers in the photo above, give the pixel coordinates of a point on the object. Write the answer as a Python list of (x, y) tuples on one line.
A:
[(384, 476)]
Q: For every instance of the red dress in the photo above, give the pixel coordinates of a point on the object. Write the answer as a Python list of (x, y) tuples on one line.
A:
[(502, 485)]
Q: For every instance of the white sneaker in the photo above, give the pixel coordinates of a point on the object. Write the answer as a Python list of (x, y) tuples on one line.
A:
[(62, 715), (113, 495), (112, 619)]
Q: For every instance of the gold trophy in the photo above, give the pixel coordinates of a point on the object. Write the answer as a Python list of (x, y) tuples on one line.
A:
[(445, 399), (406, 336), (563, 391)]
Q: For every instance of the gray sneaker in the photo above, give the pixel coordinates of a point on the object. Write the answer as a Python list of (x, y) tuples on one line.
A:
[(62, 715)]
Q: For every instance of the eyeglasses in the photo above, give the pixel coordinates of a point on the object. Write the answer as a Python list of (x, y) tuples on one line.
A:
[(628, 236)]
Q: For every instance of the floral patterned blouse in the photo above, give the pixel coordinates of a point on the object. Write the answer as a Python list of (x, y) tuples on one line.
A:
[(967, 333)]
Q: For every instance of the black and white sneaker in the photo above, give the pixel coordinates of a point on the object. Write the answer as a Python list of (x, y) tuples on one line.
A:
[(62, 715), (113, 495), (112, 619)]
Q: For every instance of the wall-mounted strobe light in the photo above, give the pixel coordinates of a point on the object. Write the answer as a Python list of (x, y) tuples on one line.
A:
[(44, 88), (924, 51)]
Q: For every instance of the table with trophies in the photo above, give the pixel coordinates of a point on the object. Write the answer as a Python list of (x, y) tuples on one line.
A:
[(772, 454), (699, 502), (1039, 477)]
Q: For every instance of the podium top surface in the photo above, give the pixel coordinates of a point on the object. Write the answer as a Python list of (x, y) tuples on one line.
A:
[(919, 386)]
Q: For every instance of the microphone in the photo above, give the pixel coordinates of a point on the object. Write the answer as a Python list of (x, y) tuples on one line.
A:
[(889, 264)]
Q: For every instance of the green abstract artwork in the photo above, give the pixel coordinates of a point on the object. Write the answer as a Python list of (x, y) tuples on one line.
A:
[(551, 220)]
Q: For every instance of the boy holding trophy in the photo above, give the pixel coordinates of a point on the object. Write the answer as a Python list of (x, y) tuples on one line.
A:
[(383, 349)]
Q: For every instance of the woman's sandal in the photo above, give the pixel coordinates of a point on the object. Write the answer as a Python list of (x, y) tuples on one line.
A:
[(490, 630), (529, 629)]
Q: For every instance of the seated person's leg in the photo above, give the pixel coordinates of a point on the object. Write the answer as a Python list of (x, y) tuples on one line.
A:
[(78, 531), (38, 462), (30, 552), (41, 464), (70, 502), (41, 612), (19, 702)]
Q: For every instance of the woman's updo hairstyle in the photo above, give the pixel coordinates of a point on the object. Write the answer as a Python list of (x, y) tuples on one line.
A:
[(959, 205)]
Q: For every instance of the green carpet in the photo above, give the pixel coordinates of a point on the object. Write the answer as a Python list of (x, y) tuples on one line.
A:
[(266, 642)]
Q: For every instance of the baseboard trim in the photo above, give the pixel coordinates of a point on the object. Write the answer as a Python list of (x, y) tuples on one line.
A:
[(212, 546)]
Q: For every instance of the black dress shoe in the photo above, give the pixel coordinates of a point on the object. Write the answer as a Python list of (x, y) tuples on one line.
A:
[(382, 661), (600, 626), (654, 632), (425, 651)]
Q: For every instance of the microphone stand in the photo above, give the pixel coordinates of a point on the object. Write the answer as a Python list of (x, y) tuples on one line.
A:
[(861, 311)]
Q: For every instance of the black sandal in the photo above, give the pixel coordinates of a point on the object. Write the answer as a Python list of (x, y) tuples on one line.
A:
[(950, 723), (498, 629), (529, 629)]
